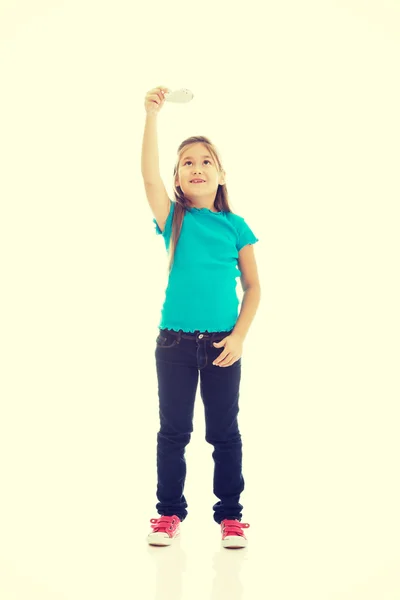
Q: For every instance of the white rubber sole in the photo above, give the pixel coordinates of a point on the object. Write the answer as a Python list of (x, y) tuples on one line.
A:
[(234, 541), (160, 538)]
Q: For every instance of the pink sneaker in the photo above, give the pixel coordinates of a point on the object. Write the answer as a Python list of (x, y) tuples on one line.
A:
[(165, 529), (232, 534)]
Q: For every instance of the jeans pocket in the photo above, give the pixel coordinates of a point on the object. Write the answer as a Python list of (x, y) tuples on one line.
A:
[(215, 352), (166, 340)]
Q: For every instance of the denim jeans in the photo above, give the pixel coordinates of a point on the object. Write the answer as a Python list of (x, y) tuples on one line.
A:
[(180, 356)]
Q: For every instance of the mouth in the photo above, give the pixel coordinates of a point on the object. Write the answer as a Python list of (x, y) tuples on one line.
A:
[(197, 181)]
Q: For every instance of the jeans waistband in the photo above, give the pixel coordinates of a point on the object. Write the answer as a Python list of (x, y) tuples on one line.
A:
[(197, 335)]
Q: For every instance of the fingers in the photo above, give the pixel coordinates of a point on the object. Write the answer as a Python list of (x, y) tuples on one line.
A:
[(226, 361), (156, 95), (231, 362), (160, 91)]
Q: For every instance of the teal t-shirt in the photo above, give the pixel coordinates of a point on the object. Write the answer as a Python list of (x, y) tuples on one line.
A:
[(201, 290)]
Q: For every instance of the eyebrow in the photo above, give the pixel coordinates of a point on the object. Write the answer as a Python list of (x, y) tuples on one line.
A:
[(204, 156)]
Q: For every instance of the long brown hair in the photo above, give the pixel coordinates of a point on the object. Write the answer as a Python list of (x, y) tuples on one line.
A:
[(221, 202)]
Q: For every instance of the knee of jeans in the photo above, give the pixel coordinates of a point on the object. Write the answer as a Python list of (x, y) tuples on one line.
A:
[(178, 438)]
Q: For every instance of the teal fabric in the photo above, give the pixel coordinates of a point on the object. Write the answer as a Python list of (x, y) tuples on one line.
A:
[(201, 291)]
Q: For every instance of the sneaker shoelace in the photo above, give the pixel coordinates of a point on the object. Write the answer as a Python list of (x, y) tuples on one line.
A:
[(163, 524), (233, 527)]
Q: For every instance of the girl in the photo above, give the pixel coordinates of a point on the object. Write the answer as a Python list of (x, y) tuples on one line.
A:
[(199, 330)]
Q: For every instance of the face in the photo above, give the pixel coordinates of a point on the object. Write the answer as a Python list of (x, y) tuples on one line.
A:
[(196, 162)]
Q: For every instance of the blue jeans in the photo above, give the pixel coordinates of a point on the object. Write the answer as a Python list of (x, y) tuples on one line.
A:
[(180, 356)]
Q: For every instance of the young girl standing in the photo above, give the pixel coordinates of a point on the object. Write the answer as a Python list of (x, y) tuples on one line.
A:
[(200, 332)]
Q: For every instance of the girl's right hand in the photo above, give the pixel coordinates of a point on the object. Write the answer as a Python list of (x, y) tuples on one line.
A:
[(154, 100)]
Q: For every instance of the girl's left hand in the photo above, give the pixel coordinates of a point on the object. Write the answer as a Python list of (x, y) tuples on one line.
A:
[(233, 344)]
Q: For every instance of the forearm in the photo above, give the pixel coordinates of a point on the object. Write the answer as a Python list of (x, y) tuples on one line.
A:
[(150, 159), (248, 309)]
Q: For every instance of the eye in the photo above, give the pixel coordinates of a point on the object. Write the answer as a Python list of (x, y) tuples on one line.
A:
[(189, 161)]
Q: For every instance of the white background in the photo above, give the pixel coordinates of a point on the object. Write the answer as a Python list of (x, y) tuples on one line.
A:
[(302, 100)]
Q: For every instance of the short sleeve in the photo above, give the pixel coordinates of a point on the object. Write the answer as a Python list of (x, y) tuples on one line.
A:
[(167, 226), (157, 229), (245, 235)]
